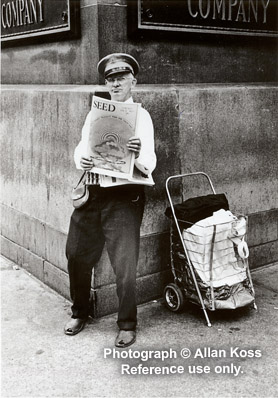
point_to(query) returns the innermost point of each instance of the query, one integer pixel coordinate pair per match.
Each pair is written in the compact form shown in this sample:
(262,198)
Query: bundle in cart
(209,254)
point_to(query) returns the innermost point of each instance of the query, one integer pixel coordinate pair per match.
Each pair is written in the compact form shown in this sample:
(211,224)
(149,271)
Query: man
(112,215)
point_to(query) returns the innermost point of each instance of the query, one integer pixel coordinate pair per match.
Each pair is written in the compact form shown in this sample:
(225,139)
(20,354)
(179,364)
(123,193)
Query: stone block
(263,254)
(41,177)
(221,134)
(23,257)
(55,247)
(24,230)
(57,279)
(34,235)
(154,254)
(262,227)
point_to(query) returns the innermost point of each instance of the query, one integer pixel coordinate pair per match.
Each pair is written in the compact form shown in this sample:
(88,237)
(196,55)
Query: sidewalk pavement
(240,350)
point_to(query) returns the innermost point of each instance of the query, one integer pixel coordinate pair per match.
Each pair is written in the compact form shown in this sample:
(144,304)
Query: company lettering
(229,10)
(21,12)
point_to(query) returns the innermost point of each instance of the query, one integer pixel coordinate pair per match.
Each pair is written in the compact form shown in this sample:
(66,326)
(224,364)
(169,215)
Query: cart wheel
(173,297)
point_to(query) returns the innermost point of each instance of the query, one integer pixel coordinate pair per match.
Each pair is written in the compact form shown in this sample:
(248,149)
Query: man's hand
(134,145)
(86,163)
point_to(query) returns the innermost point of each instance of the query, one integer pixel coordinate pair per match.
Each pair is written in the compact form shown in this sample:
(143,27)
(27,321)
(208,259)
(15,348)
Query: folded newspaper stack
(212,252)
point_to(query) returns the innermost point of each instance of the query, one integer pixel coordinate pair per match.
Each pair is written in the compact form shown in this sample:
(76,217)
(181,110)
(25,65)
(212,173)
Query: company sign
(21,19)
(239,17)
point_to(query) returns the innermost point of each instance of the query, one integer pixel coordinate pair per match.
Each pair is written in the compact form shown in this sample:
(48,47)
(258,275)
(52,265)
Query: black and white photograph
(139,198)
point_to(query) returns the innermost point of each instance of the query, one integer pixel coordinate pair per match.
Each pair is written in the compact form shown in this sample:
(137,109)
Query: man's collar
(129,101)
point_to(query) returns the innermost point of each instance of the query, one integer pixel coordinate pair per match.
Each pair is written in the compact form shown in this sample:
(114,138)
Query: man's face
(120,85)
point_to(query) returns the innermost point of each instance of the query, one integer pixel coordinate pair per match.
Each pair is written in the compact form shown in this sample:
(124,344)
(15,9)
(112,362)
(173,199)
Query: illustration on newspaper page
(112,124)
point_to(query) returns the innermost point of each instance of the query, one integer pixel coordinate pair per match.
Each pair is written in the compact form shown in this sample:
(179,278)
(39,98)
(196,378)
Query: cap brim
(121,56)
(114,72)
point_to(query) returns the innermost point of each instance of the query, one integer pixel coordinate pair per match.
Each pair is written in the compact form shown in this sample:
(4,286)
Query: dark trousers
(112,216)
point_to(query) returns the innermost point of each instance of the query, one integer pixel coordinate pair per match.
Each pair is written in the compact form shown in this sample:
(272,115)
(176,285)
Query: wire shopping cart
(209,254)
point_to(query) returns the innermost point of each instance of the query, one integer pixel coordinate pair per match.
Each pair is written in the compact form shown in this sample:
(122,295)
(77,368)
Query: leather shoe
(125,338)
(74,326)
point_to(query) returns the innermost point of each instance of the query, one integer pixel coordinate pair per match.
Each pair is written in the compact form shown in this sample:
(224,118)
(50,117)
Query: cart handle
(180,176)
(188,175)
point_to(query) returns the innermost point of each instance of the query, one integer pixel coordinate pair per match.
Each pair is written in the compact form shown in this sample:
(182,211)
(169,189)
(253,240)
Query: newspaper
(137,178)
(112,124)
